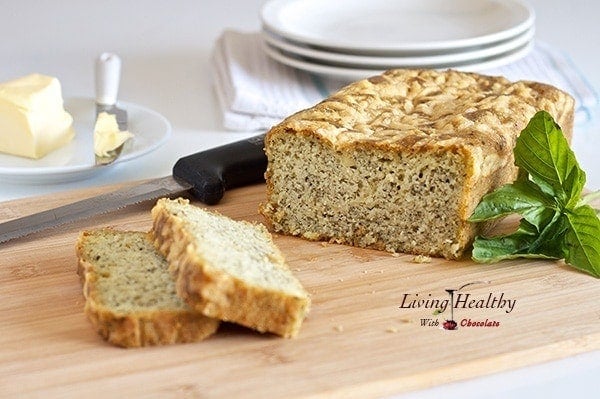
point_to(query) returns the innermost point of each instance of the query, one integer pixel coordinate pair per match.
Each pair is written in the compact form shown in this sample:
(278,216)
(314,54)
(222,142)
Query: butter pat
(33,121)
(107,136)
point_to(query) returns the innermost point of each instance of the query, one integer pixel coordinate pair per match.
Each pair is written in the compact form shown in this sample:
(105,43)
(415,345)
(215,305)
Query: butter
(107,136)
(33,121)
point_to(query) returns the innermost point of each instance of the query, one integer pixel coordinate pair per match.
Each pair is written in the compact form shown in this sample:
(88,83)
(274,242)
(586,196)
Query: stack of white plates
(354,39)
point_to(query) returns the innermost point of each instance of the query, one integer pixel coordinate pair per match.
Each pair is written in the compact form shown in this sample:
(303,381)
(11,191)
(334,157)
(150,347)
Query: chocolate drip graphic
(451,324)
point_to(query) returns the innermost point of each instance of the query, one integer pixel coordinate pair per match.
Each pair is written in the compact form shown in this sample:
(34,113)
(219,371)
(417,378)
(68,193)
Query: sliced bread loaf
(227,269)
(129,294)
(399,161)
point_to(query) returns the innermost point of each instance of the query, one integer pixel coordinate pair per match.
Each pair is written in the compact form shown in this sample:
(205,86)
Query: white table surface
(165,47)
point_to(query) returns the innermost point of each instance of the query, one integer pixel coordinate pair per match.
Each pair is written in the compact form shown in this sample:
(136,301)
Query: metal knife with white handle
(206,175)
(107,74)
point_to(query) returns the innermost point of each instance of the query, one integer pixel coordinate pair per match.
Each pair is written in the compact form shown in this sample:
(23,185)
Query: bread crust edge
(218,294)
(138,329)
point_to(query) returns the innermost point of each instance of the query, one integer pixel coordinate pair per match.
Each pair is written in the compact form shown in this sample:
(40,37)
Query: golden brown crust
(218,294)
(424,110)
(414,112)
(138,329)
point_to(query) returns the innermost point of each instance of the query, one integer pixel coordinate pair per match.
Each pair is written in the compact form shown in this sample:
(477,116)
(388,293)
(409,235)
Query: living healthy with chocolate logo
(454,302)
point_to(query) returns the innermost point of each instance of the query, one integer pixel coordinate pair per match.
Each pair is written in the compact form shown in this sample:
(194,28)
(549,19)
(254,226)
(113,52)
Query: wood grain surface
(360,339)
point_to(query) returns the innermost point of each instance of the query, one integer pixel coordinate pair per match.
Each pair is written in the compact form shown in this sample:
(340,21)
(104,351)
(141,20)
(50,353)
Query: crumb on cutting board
(421,259)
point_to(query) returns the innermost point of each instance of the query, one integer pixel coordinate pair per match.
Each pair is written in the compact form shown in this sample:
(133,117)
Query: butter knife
(107,73)
(206,175)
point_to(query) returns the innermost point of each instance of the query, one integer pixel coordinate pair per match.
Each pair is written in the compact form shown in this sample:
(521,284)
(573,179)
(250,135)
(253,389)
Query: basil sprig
(556,223)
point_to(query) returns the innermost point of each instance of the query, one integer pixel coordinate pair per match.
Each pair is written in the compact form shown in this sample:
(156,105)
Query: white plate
(387,62)
(76,160)
(350,74)
(392,26)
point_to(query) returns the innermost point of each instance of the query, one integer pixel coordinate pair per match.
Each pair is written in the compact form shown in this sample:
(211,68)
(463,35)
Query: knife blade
(107,73)
(206,174)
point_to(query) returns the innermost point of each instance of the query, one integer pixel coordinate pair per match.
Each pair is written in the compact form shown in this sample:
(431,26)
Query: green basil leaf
(491,250)
(543,151)
(550,241)
(522,197)
(510,246)
(574,182)
(583,240)
(526,242)
(557,223)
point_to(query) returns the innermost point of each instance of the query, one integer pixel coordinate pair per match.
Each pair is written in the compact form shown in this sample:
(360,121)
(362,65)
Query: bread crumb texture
(227,269)
(130,294)
(399,161)
(421,259)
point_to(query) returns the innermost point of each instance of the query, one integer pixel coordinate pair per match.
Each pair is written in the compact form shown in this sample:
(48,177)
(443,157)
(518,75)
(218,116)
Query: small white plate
(76,160)
(351,74)
(394,26)
(387,62)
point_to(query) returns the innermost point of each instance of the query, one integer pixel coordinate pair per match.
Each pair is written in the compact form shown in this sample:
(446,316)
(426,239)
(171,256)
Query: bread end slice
(129,294)
(230,270)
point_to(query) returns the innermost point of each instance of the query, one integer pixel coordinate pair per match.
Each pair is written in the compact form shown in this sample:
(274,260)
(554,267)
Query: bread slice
(399,161)
(229,270)
(129,294)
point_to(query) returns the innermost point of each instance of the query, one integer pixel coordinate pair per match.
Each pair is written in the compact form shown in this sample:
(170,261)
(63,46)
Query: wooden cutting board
(362,338)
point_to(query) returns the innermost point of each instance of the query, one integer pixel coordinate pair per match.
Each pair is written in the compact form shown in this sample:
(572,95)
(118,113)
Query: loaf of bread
(229,270)
(129,294)
(399,161)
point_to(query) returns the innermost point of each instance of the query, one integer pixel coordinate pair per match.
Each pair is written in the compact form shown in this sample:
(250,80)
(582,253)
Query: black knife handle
(213,171)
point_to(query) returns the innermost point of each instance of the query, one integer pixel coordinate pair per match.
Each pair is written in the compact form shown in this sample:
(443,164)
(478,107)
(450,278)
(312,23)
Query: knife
(206,175)
(107,73)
